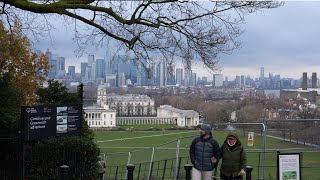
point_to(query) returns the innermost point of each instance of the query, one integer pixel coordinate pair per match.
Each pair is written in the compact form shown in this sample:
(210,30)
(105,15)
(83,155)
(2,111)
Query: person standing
(101,168)
(234,159)
(204,154)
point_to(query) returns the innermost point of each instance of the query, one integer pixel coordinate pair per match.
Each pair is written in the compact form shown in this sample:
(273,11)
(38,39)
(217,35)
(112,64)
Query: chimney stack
(314,80)
(304,81)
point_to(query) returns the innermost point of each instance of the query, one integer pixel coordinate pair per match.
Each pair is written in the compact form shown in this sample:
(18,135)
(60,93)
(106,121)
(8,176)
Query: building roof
(102,86)
(179,111)
(98,108)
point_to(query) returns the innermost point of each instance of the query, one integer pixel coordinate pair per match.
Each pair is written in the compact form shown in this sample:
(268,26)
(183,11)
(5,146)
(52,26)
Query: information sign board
(289,166)
(45,121)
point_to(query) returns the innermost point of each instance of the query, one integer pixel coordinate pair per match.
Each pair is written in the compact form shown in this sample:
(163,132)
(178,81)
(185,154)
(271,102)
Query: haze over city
(281,40)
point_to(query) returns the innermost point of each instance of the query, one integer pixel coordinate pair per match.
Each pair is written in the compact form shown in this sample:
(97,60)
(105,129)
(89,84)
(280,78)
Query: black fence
(165,169)
(73,160)
(16,162)
(10,158)
(11,164)
(157,170)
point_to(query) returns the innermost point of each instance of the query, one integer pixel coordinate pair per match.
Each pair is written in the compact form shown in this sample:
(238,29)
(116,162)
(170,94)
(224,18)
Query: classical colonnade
(145,120)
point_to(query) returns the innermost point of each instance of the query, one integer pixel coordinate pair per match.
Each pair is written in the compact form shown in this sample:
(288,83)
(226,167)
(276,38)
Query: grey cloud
(283,37)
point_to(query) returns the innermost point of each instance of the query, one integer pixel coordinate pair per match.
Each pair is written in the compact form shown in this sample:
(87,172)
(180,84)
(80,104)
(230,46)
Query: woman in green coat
(234,159)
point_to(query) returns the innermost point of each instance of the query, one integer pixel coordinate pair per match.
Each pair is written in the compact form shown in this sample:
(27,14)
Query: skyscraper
(194,79)
(238,81)
(314,80)
(304,81)
(61,63)
(90,59)
(53,63)
(217,80)
(126,66)
(262,77)
(84,66)
(92,68)
(161,71)
(122,80)
(187,77)
(142,76)
(179,76)
(61,70)
(242,81)
(72,71)
(100,68)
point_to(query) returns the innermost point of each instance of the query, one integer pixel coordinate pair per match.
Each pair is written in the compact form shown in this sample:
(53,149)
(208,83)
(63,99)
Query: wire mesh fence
(166,161)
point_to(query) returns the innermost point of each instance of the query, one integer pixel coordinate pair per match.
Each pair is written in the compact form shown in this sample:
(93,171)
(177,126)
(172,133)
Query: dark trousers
(101,176)
(224,177)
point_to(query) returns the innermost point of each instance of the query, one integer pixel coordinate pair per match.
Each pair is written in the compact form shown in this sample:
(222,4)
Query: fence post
(164,169)
(130,168)
(21,157)
(248,172)
(188,168)
(64,172)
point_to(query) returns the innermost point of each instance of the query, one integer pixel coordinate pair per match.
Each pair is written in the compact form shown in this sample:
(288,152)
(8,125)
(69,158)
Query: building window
(104,123)
(110,122)
(99,123)
(104,115)
(111,115)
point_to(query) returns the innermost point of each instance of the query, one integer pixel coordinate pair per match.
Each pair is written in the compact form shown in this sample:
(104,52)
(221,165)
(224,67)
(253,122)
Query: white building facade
(184,118)
(98,117)
(126,105)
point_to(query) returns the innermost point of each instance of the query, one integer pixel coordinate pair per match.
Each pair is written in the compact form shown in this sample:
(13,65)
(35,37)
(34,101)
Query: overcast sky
(284,41)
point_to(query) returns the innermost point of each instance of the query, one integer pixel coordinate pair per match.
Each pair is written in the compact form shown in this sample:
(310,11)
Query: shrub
(44,158)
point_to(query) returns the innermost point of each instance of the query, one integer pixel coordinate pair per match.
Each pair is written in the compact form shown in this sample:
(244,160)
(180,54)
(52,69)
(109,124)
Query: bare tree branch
(191,30)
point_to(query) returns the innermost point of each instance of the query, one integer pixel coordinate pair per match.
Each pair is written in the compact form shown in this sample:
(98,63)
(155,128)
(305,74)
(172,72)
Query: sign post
(250,138)
(289,166)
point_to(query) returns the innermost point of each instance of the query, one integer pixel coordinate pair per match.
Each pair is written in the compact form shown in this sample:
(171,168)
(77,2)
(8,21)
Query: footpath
(298,142)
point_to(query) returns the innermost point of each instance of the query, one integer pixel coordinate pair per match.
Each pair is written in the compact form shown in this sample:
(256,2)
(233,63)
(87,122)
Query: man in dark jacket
(204,154)
(233,159)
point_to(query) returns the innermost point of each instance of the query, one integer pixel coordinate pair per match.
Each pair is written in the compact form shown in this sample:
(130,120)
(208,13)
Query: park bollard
(188,168)
(248,172)
(64,172)
(130,168)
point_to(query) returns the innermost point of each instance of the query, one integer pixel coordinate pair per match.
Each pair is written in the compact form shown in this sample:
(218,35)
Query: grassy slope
(165,142)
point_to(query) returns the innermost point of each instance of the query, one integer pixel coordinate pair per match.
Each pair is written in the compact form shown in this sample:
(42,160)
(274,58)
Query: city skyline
(102,61)
(280,40)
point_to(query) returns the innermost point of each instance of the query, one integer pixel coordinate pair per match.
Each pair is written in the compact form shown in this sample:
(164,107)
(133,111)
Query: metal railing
(165,169)
(157,170)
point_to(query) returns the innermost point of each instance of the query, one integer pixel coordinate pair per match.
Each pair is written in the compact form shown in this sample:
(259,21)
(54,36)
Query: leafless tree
(175,30)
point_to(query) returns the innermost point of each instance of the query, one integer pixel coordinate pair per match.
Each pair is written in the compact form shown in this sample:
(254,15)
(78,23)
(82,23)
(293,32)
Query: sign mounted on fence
(289,166)
(45,121)
(250,138)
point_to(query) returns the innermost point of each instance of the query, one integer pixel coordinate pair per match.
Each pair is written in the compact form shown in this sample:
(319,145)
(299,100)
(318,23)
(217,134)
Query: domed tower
(102,95)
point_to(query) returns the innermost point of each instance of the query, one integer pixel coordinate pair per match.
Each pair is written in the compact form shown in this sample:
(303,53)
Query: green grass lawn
(118,145)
